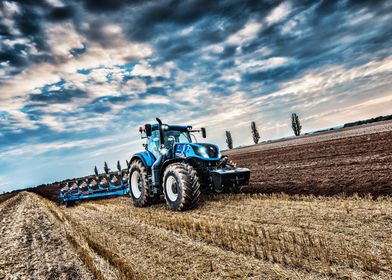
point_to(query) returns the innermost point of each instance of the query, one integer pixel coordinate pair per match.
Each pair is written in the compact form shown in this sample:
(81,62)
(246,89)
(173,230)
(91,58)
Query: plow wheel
(139,187)
(181,186)
(69,203)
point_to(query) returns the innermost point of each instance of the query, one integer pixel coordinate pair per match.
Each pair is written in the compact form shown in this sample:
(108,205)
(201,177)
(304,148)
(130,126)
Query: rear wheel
(181,186)
(139,187)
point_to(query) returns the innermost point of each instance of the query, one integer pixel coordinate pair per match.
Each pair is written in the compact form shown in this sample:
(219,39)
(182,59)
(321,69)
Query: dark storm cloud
(99,108)
(58,96)
(170,15)
(13,56)
(28,22)
(40,3)
(61,13)
(156,90)
(322,25)
(320,40)
(228,52)
(79,51)
(4,30)
(103,6)
(27,25)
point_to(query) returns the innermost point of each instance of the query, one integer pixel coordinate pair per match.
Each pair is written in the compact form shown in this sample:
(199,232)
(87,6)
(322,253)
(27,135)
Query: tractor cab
(171,135)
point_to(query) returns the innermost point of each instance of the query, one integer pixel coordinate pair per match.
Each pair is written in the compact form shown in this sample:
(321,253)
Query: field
(261,234)
(355,160)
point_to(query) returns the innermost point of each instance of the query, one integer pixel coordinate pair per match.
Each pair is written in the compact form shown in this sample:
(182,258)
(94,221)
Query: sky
(78,77)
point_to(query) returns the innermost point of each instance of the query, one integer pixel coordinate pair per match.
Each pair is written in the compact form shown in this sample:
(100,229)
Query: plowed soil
(355,160)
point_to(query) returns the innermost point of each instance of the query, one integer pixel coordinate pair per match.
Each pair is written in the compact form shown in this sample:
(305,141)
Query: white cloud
(62,38)
(155,99)
(261,65)
(145,69)
(99,75)
(10,8)
(134,86)
(246,34)
(187,31)
(332,76)
(51,88)
(279,13)
(56,3)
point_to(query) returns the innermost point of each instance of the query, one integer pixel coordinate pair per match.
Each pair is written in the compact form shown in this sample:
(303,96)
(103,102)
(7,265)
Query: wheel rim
(171,188)
(136,184)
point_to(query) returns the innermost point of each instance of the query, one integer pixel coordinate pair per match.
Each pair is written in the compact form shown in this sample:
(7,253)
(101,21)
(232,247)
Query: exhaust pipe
(161,140)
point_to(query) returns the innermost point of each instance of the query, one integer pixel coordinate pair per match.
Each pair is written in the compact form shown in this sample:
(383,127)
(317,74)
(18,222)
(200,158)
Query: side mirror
(148,129)
(203,132)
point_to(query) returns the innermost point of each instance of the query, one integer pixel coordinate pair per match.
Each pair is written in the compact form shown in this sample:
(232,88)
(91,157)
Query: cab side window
(153,143)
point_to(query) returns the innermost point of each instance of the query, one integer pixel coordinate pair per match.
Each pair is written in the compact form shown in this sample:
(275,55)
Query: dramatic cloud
(77,77)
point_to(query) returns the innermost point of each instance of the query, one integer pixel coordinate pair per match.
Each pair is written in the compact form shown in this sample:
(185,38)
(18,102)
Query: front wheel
(139,187)
(181,186)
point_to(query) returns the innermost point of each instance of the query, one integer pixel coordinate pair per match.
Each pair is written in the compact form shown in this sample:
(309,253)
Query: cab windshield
(175,136)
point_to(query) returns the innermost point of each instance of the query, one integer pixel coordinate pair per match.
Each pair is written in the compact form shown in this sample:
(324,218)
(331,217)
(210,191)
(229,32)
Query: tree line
(295,125)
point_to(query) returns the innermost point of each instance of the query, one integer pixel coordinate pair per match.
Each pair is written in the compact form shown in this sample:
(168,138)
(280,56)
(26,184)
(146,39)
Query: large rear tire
(139,187)
(181,186)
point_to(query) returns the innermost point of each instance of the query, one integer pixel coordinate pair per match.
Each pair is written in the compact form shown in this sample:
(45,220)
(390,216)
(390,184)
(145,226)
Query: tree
(106,168)
(118,166)
(229,140)
(296,124)
(96,171)
(255,133)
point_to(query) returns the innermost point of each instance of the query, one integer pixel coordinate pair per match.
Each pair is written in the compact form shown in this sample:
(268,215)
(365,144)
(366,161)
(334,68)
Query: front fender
(146,157)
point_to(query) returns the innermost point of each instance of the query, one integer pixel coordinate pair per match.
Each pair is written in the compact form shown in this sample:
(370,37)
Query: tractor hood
(199,150)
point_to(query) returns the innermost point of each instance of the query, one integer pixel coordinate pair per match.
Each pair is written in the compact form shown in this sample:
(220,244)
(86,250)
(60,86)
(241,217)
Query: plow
(174,166)
(106,185)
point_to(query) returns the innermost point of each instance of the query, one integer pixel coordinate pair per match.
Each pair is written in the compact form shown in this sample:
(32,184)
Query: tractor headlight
(203,152)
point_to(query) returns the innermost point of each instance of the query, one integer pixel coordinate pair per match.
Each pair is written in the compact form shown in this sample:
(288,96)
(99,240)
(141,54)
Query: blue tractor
(179,168)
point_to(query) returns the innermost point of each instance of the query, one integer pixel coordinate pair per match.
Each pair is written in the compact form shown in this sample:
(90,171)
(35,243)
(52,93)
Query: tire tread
(190,182)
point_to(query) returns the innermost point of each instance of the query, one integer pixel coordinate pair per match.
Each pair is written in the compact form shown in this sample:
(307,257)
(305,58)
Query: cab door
(153,143)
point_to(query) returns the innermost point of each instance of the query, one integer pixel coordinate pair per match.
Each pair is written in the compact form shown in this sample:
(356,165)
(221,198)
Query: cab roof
(172,127)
